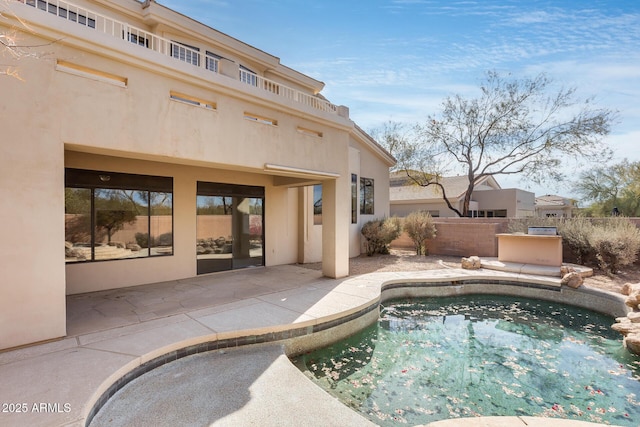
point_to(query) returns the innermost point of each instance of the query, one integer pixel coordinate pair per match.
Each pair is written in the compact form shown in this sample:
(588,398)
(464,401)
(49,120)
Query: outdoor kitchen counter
(530,249)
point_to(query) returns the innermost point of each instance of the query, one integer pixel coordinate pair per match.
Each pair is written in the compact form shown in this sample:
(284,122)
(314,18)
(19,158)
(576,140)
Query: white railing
(286,92)
(189,54)
(64,10)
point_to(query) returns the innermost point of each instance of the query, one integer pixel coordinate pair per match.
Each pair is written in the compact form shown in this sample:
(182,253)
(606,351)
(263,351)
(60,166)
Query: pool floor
(440,358)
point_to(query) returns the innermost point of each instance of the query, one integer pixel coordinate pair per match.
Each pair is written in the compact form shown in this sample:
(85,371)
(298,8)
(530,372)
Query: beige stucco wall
(31,214)
(309,233)
(118,116)
(363,162)
(355,160)
(335,199)
(404,209)
(370,167)
(518,203)
(530,249)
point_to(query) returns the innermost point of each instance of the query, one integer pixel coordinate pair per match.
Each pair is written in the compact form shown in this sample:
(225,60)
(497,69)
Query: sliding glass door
(230,231)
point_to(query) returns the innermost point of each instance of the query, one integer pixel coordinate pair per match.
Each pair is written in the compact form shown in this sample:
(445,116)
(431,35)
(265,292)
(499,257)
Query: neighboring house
(487,201)
(554,206)
(154,148)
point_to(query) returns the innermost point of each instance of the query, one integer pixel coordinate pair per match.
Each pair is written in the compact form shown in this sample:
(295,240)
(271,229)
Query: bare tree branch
(515,127)
(11,45)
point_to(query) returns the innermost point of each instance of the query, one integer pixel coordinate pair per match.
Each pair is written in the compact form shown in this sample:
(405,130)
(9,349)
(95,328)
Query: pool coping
(390,289)
(342,307)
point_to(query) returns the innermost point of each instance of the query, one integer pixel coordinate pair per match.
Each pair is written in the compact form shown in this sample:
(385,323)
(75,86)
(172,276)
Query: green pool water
(432,359)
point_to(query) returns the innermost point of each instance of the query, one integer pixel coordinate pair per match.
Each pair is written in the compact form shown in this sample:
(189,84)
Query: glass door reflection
(214,238)
(247,232)
(230,227)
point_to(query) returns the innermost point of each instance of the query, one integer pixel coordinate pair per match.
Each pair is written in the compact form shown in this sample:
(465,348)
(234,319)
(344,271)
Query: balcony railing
(286,92)
(171,48)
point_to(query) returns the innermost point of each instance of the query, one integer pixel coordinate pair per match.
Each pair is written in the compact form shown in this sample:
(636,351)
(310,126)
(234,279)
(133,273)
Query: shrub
(607,243)
(575,233)
(165,239)
(142,239)
(616,242)
(379,233)
(420,228)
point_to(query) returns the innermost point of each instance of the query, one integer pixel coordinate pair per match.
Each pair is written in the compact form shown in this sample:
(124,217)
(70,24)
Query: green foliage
(142,239)
(576,233)
(77,201)
(379,233)
(116,208)
(616,242)
(605,243)
(521,126)
(165,239)
(611,186)
(420,227)
(114,220)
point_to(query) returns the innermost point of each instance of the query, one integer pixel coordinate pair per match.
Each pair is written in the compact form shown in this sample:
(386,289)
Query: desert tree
(13,47)
(607,187)
(117,208)
(516,126)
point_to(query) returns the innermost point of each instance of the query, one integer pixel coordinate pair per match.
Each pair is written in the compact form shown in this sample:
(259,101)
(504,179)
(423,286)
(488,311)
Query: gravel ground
(407,260)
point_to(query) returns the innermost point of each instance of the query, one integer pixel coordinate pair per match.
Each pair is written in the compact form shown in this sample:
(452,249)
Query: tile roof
(401,187)
(552,200)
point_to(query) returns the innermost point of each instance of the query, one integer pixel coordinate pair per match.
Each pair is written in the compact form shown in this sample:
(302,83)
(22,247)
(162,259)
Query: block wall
(462,237)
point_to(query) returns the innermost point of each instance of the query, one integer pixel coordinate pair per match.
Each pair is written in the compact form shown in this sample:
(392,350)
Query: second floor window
(185,53)
(247,76)
(211,61)
(138,39)
(79,15)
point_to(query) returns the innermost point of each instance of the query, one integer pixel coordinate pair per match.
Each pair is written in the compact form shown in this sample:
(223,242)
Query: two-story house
(140,146)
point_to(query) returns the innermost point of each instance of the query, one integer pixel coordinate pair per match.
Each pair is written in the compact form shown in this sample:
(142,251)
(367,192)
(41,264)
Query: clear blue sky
(397,59)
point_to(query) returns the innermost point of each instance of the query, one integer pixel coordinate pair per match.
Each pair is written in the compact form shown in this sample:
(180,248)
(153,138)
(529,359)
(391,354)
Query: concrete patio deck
(114,333)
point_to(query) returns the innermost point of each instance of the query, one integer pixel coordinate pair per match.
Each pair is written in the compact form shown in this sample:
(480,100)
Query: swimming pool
(481,355)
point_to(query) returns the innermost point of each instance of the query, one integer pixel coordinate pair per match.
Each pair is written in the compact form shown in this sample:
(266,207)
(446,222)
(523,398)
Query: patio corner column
(335,228)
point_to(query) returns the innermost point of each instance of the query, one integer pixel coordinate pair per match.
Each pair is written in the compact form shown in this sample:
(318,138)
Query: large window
(366,196)
(497,213)
(115,216)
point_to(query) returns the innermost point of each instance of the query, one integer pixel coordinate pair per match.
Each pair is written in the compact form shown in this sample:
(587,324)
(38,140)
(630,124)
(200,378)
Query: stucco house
(551,205)
(488,199)
(142,146)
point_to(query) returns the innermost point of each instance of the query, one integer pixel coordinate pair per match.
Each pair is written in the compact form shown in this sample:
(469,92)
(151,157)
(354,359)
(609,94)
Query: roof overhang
(290,176)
